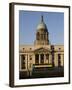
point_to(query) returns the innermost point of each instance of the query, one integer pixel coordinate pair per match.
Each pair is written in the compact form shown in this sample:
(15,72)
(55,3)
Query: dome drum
(42,34)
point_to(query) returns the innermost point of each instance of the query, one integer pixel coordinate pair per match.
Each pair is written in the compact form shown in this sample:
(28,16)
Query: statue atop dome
(41,18)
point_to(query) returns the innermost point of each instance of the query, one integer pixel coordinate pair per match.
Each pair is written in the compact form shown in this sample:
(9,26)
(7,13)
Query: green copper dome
(42,25)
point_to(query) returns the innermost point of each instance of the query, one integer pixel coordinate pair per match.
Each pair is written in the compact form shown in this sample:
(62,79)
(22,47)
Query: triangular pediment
(42,50)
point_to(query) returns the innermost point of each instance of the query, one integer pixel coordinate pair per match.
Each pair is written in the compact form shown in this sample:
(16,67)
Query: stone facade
(42,53)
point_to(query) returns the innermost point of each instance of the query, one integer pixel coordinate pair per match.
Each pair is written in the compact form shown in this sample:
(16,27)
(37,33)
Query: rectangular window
(42,59)
(22,61)
(36,59)
(59,59)
(47,56)
(30,57)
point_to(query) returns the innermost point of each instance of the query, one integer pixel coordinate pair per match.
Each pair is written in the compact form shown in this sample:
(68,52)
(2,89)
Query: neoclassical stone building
(42,53)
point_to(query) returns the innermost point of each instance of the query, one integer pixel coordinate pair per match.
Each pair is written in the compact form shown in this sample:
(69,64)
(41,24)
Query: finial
(41,18)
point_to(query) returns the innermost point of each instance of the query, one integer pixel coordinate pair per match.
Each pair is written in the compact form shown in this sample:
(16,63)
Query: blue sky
(28,21)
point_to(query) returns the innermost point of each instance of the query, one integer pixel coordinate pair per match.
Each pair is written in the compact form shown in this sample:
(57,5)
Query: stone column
(50,59)
(44,58)
(27,64)
(33,60)
(56,59)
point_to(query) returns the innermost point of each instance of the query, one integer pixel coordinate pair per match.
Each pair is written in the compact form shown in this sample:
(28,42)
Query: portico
(43,58)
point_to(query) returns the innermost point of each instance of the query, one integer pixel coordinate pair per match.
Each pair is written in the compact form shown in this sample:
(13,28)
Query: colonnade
(40,59)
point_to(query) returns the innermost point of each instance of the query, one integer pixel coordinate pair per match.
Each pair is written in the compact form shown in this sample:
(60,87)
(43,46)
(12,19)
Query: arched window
(37,36)
(42,37)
